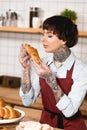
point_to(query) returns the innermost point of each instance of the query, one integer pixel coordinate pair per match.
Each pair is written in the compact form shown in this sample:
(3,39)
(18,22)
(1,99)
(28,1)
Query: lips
(45,46)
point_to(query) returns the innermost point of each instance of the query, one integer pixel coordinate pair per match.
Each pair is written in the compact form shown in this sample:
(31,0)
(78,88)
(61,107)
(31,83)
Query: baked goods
(2,102)
(33,125)
(8,112)
(3,128)
(46,127)
(12,112)
(30,125)
(1,112)
(33,53)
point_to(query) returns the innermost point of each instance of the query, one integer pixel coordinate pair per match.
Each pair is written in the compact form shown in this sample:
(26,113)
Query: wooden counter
(30,114)
(11,96)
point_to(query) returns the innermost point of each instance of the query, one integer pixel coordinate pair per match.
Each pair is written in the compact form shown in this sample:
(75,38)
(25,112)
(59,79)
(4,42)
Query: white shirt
(70,104)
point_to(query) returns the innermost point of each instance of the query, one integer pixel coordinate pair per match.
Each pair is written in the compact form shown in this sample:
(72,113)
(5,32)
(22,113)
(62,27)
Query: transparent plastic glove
(44,72)
(24,57)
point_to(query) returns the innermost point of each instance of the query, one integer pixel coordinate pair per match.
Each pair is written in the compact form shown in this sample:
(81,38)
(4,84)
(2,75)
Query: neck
(62,54)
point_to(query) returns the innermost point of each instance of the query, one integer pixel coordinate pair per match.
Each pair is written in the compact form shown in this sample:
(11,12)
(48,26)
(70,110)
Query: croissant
(1,112)
(33,53)
(8,112)
(2,102)
(3,128)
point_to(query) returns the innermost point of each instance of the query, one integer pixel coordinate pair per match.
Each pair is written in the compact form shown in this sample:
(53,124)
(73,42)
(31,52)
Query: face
(51,42)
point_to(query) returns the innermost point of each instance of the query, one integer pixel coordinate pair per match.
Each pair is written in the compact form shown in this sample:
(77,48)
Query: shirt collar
(67,63)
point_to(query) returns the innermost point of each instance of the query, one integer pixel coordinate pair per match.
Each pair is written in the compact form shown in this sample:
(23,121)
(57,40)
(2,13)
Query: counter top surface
(11,96)
(30,114)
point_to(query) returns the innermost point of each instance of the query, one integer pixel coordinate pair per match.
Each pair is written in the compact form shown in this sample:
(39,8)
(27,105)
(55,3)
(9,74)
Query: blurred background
(10,42)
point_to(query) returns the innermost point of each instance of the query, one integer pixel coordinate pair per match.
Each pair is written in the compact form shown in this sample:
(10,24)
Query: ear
(63,42)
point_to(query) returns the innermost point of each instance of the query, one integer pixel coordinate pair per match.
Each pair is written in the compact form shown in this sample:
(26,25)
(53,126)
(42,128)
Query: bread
(46,127)
(8,112)
(33,125)
(33,53)
(3,128)
(29,125)
(17,113)
(2,102)
(1,112)
(12,113)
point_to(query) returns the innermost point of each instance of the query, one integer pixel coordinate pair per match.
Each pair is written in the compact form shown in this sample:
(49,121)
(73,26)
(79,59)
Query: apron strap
(69,72)
(59,118)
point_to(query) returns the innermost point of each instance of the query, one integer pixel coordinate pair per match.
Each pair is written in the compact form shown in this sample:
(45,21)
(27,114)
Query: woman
(61,77)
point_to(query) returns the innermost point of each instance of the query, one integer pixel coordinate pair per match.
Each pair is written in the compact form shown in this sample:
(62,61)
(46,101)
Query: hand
(44,72)
(42,69)
(24,57)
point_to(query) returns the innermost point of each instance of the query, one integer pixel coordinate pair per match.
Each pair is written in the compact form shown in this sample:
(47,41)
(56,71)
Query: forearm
(32,93)
(51,80)
(26,83)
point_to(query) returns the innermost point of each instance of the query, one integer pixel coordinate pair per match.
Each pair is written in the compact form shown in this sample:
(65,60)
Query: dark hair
(65,29)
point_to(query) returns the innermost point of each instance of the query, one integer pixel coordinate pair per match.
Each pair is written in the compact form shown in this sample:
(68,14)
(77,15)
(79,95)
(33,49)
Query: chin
(48,51)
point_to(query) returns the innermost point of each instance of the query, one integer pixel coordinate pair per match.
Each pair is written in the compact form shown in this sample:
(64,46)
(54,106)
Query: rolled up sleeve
(65,106)
(27,99)
(70,104)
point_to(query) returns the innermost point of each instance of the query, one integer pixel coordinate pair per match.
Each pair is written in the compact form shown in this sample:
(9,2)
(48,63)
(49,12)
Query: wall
(10,42)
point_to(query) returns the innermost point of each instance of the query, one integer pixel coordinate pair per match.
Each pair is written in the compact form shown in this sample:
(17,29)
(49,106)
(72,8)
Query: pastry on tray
(7,111)
(33,125)
(3,128)
(2,102)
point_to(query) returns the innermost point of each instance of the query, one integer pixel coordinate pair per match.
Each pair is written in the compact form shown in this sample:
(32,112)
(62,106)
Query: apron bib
(51,114)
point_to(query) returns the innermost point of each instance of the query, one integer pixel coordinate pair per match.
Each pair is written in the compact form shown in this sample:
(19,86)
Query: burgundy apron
(51,114)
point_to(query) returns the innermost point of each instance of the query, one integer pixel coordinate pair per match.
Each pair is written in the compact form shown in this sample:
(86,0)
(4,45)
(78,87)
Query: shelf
(82,34)
(21,30)
(31,30)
